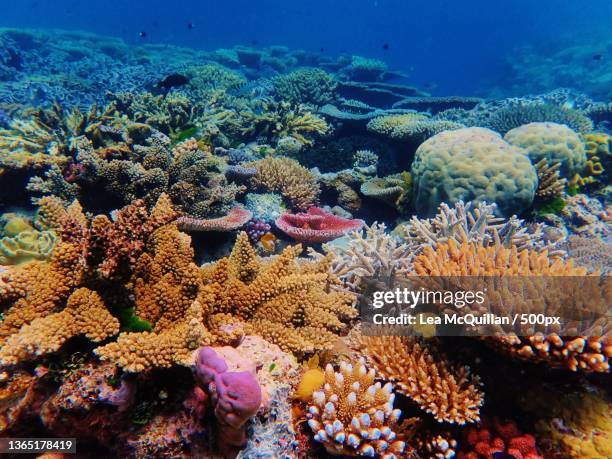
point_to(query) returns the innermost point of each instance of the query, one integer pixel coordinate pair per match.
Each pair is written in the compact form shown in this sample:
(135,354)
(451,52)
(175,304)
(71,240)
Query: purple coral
(235,396)
(256,228)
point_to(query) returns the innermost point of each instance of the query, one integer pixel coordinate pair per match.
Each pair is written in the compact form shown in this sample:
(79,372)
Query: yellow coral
(597,147)
(449,394)
(312,380)
(286,176)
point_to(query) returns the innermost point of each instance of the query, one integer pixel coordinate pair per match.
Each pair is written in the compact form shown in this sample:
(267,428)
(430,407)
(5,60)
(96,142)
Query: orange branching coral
(449,394)
(38,289)
(286,302)
(531,284)
(469,259)
(84,314)
(286,176)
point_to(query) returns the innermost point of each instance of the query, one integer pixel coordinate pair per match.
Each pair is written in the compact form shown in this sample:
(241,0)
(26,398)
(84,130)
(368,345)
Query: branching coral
(284,301)
(354,416)
(46,137)
(285,176)
(449,394)
(84,314)
(473,222)
(550,183)
(533,283)
(373,260)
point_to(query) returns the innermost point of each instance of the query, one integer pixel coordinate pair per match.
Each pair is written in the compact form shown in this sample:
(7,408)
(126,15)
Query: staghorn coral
(415,127)
(477,223)
(534,282)
(472,164)
(46,138)
(551,141)
(449,393)
(316,226)
(84,314)
(550,183)
(285,176)
(354,416)
(591,252)
(372,260)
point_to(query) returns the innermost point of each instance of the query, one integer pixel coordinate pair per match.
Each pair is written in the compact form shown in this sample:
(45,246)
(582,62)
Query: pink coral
(316,225)
(497,437)
(236,218)
(235,395)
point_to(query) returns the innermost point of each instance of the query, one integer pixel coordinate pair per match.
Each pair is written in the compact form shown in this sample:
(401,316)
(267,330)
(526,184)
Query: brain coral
(472,164)
(553,142)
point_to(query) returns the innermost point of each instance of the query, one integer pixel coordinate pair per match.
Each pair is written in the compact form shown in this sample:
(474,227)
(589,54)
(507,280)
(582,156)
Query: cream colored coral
(449,394)
(352,415)
(556,143)
(84,314)
(286,176)
(472,164)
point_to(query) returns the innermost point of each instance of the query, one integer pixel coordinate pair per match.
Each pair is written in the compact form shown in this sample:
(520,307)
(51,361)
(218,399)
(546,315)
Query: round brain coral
(472,164)
(552,142)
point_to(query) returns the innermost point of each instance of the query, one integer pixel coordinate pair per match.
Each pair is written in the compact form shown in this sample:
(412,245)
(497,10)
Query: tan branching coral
(285,176)
(449,394)
(354,416)
(284,301)
(84,314)
(550,183)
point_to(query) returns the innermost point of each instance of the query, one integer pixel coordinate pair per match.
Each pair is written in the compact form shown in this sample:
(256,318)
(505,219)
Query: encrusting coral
(449,394)
(353,415)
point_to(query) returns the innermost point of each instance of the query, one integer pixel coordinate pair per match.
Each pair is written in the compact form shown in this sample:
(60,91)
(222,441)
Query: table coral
(472,164)
(449,393)
(354,416)
(236,218)
(415,127)
(316,225)
(285,176)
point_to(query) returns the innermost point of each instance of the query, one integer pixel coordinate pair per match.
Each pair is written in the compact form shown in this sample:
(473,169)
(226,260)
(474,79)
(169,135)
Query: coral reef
(316,225)
(354,416)
(414,127)
(236,218)
(553,142)
(285,176)
(449,394)
(472,164)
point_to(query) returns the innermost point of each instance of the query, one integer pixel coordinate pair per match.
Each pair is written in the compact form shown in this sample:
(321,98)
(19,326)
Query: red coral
(497,437)
(236,218)
(316,225)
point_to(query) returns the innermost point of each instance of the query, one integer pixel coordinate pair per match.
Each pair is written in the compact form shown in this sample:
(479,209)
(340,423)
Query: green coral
(27,246)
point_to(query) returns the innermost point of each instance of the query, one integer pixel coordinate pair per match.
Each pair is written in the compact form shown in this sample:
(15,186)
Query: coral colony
(188,256)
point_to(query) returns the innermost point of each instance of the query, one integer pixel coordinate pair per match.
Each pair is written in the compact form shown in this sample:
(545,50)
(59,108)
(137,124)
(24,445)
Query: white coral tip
(338,426)
(353,440)
(367,450)
(340,436)
(351,398)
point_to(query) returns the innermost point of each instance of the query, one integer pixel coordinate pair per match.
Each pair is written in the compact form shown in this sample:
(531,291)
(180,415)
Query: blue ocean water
(446,46)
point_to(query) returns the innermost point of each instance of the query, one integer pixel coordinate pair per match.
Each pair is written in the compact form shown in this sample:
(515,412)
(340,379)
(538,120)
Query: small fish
(385,46)
(190,25)
(142,34)
(321,50)
(173,81)
(254,42)
(597,57)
